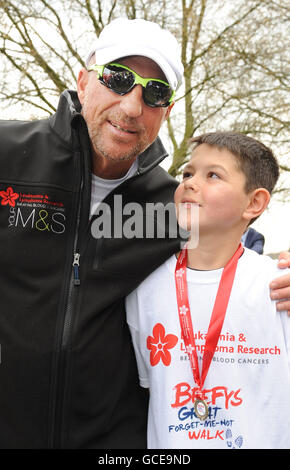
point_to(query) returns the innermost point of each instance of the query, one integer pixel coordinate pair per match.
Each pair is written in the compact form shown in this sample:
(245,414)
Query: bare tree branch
(235,56)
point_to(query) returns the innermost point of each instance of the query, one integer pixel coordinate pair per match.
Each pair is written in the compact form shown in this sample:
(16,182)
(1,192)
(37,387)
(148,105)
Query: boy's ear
(258,202)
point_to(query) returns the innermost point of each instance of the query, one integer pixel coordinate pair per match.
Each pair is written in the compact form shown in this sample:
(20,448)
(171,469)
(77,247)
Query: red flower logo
(159,344)
(8,197)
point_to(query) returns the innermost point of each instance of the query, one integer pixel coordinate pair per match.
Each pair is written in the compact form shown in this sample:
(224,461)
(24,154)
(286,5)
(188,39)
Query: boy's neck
(212,252)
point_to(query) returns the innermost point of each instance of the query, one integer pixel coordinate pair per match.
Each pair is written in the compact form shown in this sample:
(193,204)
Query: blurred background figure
(253,240)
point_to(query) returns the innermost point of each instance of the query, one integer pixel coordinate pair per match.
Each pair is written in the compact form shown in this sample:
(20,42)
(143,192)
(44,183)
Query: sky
(275,226)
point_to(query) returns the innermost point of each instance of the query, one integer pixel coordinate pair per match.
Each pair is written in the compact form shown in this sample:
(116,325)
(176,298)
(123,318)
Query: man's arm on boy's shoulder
(280,287)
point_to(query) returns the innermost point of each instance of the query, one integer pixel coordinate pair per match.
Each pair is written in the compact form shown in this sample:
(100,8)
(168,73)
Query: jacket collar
(68,117)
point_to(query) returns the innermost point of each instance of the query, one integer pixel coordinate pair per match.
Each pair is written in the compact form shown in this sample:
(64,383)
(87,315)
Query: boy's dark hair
(254,159)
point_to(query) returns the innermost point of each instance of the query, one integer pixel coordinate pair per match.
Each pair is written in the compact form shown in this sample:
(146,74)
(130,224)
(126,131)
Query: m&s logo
(41,220)
(34,211)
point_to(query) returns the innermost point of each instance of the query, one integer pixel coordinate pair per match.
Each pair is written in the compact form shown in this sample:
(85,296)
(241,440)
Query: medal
(201,409)
(215,325)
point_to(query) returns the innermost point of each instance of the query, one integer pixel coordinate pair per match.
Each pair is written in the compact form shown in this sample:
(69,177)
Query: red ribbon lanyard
(217,316)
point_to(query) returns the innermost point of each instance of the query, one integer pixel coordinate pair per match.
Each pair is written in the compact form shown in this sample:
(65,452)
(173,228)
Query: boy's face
(212,180)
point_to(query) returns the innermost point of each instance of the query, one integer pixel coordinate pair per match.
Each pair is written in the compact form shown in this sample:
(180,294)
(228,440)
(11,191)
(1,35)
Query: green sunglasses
(120,79)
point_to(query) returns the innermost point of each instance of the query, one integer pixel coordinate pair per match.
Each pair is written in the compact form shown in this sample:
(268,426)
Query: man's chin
(118,155)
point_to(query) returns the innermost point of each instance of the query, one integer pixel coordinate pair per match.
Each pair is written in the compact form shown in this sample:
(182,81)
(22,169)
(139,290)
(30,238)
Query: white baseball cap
(124,37)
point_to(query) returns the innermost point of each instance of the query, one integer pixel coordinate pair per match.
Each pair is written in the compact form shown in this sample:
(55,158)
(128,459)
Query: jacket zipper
(63,360)
(76,265)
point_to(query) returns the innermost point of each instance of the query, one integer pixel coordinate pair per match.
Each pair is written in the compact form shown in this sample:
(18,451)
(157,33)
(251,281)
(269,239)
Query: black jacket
(68,373)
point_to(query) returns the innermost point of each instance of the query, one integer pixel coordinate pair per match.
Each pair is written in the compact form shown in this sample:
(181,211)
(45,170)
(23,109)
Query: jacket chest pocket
(25,209)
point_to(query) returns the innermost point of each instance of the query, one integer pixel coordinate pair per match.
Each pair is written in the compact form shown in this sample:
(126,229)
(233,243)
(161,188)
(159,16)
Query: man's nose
(132,103)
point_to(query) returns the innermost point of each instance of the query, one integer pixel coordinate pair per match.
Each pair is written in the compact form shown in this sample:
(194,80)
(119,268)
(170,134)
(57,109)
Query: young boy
(209,343)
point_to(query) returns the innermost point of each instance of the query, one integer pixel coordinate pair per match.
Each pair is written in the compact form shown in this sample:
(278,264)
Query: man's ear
(258,202)
(168,110)
(82,83)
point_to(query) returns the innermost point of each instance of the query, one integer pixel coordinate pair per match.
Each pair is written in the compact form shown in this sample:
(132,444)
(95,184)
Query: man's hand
(280,287)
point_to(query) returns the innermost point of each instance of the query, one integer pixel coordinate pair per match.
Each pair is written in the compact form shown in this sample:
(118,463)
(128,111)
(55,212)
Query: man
(68,372)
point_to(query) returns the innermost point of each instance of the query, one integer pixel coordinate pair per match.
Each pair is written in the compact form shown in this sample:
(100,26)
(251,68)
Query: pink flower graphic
(8,197)
(159,344)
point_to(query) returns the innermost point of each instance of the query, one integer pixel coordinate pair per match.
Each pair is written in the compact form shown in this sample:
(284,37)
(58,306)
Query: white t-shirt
(102,187)
(248,383)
